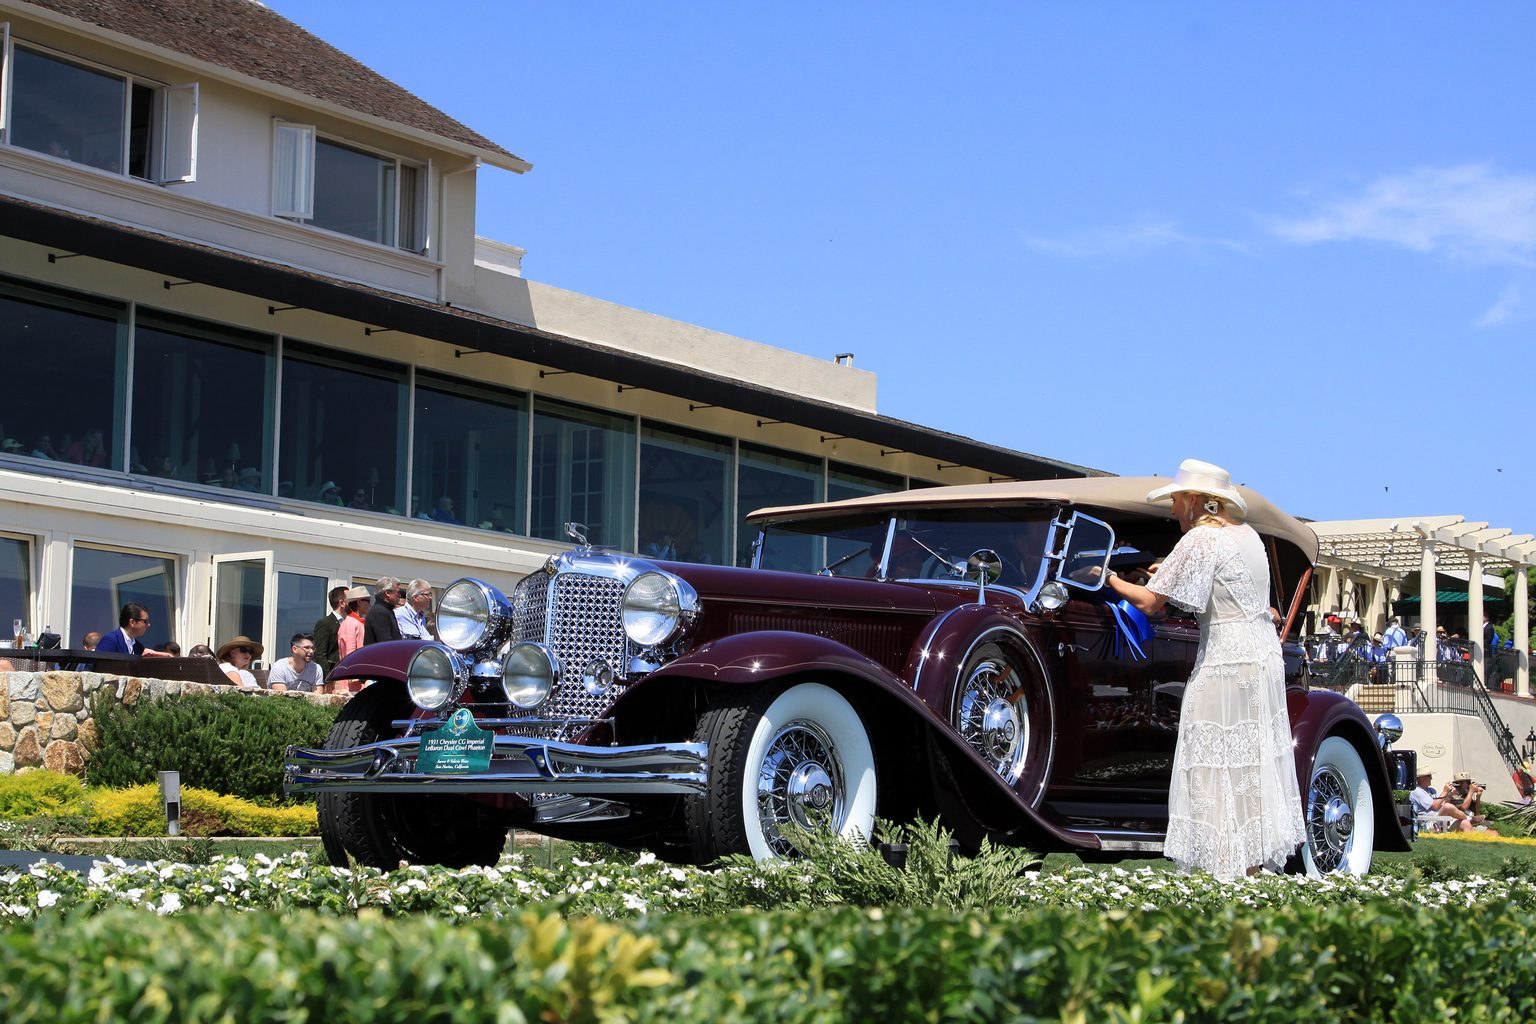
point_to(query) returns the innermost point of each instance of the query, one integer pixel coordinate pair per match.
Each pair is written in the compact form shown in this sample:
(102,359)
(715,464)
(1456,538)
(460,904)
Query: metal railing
(1406,686)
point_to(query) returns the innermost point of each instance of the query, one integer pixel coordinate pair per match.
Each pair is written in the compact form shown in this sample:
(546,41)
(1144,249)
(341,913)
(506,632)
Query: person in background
(132,623)
(43,449)
(250,480)
(330,494)
(172,648)
(359,499)
(349,635)
(1395,636)
(235,657)
(380,624)
(88,451)
(326,652)
(411,616)
(444,512)
(296,672)
(6,666)
(89,641)
(201,651)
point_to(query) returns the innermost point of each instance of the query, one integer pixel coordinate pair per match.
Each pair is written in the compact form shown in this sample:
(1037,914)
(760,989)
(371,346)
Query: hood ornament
(578,533)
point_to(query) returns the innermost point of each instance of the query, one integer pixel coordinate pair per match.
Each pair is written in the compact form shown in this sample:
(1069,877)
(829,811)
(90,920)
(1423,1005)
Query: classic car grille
(880,641)
(577,617)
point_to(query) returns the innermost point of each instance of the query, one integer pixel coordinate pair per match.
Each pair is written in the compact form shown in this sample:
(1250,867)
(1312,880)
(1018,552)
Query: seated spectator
(298,671)
(412,615)
(349,635)
(133,622)
(172,648)
(43,449)
(663,547)
(11,447)
(359,499)
(89,641)
(250,480)
(200,651)
(444,512)
(330,494)
(1426,801)
(88,451)
(235,657)
(164,468)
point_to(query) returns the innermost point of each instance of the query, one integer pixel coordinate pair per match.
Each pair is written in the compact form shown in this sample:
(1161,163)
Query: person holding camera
(1458,801)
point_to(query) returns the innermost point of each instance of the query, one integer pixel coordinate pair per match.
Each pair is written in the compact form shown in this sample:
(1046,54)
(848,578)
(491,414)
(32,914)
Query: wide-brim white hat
(1203,478)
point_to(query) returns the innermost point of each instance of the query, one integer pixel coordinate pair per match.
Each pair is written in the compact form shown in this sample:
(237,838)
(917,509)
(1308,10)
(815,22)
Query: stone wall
(45,716)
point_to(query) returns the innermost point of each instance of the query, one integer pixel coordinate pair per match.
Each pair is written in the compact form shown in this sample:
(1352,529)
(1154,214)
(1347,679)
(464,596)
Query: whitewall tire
(1339,812)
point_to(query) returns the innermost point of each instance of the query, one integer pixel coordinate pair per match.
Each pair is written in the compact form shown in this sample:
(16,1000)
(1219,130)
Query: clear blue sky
(1294,239)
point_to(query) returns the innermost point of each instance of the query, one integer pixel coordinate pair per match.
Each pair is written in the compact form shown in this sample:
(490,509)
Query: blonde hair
(1208,510)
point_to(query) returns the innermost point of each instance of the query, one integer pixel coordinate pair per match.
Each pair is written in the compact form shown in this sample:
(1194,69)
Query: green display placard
(458,746)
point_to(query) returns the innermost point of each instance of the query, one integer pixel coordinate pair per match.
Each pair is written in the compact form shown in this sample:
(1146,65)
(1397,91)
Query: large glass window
(239,593)
(202,404)
(584,472)
(300,604)
(470,462)
(16,586)
(343,426)
(856,482)
(768,478)
(84,345)
(354,192)
(685,489)
(67,110)
(104,581)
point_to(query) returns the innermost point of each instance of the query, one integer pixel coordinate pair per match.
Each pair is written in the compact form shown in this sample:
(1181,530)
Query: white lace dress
(1233,802)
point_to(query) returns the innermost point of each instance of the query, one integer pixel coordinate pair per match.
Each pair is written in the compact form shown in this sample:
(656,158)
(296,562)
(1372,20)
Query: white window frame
(160,119)
(303,173)
(33,600)
(181,562)
(268,597)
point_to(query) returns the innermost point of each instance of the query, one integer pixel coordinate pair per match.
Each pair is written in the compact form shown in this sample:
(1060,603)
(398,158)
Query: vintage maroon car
(942,652)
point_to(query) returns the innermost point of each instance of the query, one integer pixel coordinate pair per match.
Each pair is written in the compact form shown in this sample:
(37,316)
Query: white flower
(633,902)
(169,903)
(459,908)
(47,897)
(645,858)
(134,895)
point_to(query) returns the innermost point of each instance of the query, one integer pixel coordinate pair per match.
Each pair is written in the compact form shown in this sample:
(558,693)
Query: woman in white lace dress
(1233,805)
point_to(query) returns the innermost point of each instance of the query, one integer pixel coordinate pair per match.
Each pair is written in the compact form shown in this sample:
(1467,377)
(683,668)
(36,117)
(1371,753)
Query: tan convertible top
(1121,493)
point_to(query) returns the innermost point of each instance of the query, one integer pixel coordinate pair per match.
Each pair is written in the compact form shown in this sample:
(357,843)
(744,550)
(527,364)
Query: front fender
(1318,714)
(387,660)
(771,656)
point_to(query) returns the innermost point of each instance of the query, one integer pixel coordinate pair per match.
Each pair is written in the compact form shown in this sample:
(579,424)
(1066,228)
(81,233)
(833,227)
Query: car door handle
(1062,648)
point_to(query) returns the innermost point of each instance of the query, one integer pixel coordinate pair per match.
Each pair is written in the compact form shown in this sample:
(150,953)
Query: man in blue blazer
(132,622)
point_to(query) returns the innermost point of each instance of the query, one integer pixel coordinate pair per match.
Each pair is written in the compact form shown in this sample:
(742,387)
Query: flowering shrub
(1480,837)
(647,886)
(138,811)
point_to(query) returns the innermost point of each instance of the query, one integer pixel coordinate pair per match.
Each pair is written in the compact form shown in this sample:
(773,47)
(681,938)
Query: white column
(1475,613)
(1427,607)
(1522,633)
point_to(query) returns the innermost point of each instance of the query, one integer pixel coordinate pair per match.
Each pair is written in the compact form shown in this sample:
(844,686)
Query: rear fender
(902,727)
(1319,714)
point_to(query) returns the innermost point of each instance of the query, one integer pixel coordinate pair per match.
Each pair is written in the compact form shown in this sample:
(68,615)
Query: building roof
(255,41)
(1121,493)
(1397,545)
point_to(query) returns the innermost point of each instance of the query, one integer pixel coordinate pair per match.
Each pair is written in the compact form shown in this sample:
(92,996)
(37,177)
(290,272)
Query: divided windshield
(926,545)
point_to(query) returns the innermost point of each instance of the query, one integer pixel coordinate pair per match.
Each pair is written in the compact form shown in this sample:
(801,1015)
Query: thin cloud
(1504,309)
(1471,212)
(1128,240)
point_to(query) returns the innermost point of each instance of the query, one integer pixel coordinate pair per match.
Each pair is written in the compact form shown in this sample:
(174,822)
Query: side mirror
(984,566)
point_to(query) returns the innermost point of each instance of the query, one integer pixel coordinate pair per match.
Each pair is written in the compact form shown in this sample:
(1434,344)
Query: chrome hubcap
(800,784)
(989,716)
(1330,819)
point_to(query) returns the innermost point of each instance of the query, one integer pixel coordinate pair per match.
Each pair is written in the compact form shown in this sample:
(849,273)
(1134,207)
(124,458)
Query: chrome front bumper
(519,764)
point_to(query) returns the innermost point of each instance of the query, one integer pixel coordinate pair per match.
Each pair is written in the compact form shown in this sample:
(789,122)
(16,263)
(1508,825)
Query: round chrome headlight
(1052,596)
(655,606)
(471,614)
(431,678)
(529,673)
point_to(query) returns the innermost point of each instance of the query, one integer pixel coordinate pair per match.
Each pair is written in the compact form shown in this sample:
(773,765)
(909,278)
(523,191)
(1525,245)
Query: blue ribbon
(1132,628)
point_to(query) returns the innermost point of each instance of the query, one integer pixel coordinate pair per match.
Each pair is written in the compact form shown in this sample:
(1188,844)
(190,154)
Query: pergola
(1429,544)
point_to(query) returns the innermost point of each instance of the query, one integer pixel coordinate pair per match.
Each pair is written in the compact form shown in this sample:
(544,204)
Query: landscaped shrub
(230,743)
(30,794)
(138,811)
(1368,962)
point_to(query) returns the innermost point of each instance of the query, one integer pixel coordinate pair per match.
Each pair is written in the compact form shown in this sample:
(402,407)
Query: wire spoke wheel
(1339,812)
(1330,819)
(988,713)
(800,784)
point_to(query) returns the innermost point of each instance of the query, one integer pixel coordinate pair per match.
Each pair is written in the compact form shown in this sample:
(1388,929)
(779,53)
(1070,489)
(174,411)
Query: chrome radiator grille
(577,617)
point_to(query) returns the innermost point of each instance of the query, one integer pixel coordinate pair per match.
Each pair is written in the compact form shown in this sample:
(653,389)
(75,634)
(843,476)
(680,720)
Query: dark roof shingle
(251,39)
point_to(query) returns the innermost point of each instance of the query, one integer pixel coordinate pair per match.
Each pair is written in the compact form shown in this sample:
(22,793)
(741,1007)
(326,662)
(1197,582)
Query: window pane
(584,472)
(16,586)
(855,482)
(140,122)
(767,478)
(685,483)
(300,603)
(343,426)
(471,462)
(104,581)
(354,192)
(67,111)
(410,208)
(42,329)
(202,404)
(237,600)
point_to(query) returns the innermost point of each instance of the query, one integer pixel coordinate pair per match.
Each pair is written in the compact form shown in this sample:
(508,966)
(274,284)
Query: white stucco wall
(1448,744)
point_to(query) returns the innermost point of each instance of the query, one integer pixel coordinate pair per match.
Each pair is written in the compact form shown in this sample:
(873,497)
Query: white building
(238,267)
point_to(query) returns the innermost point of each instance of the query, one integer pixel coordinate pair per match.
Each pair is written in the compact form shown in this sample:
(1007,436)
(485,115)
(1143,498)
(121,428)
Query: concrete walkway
(79,865)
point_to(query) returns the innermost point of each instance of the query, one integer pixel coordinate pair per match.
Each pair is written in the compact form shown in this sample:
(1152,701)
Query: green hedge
(1367,963)
(229,743)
